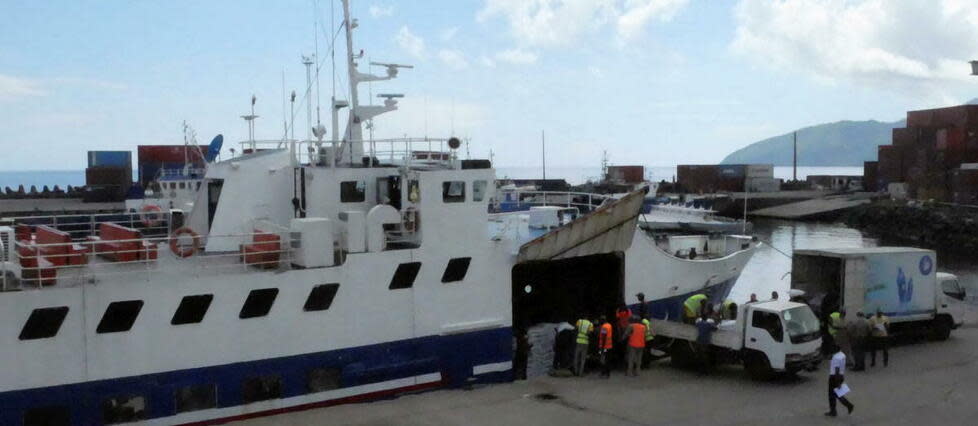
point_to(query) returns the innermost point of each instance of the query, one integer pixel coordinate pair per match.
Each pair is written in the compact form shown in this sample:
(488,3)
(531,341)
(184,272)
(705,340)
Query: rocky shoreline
(946,227)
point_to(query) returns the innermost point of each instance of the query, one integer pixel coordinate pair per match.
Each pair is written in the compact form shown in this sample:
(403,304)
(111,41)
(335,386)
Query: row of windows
(120,316)
(133,407)
(182,185)
(355,191)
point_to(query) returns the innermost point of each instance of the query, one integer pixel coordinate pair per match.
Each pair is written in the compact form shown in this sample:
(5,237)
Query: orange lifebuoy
(150,215)
(184,251)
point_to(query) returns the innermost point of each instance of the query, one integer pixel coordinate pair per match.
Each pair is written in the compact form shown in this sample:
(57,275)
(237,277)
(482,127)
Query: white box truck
(767,337)
(903,282)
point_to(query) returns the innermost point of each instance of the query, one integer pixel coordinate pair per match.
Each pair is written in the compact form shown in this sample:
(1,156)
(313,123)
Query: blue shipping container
(109,159)
(732,170)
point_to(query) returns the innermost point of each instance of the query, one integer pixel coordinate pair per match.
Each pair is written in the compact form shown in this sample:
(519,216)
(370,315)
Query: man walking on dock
(837,387)
(858,330)
(584,330)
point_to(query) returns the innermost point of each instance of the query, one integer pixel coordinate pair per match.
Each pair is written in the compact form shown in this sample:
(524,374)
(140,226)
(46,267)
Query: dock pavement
(926,383)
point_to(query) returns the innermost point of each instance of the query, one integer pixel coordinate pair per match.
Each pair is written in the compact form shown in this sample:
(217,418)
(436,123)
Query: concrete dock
(926,383)
(814,208)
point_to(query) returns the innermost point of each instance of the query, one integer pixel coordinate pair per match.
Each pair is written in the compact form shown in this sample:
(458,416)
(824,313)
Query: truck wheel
(941,328)
(757,365)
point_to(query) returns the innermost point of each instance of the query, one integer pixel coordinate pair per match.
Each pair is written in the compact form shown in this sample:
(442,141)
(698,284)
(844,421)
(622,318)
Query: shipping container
(109,159)
(760,170)
(626,174)
(964,185)
(962,116)
(763,184)
(732,170)
(108,176)
(698,178)
(155,154)
(903,136)
(871,176)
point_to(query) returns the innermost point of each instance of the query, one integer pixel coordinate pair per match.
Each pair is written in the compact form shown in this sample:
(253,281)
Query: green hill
(844,143)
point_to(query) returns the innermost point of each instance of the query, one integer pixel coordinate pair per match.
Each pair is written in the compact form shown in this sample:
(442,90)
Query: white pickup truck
(767,337)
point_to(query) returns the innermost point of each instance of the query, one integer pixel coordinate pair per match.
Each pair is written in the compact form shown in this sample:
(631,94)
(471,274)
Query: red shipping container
(903,136)
(170,154)
(870,176)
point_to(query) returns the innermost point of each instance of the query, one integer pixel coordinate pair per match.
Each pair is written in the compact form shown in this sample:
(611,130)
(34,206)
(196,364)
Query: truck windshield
(801,324)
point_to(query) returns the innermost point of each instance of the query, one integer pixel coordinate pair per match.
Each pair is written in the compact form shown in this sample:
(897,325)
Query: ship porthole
(528,289)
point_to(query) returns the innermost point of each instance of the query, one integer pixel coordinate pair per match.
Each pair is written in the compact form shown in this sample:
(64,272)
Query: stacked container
(108,176)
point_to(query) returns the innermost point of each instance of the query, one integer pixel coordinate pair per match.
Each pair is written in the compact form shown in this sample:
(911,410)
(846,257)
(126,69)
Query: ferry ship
(311,273)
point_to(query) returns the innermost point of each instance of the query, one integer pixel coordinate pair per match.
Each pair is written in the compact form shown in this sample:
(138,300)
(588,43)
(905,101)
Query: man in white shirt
(837,371)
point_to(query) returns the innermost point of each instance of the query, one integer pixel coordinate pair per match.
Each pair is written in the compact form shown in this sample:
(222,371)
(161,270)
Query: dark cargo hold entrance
(565,290)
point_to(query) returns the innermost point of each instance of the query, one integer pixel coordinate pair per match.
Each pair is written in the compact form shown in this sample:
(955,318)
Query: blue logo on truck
(905,286)
(926,265)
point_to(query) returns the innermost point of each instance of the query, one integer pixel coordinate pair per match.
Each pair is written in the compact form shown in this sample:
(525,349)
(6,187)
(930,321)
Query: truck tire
(941,328)
(757,365)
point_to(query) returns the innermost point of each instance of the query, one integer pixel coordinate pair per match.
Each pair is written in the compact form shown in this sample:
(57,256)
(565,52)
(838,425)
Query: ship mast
(351,151)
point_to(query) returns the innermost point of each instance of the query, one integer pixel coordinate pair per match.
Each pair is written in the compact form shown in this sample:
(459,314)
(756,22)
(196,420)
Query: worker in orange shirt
(605,341)
(635,336)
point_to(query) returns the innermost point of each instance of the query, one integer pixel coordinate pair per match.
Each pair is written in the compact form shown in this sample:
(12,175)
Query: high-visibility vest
(584,327)
(637,338)
(692,305)
(728,309)
(835,321)
(648,330)
(605,336)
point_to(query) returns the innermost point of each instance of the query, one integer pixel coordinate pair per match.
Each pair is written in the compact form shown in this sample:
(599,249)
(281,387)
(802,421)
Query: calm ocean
(574,175)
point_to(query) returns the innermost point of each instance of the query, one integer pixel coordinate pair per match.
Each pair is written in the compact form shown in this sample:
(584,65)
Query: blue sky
(655,82)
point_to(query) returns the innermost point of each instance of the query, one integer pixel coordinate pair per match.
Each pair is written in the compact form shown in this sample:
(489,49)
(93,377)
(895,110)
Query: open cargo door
(608,229)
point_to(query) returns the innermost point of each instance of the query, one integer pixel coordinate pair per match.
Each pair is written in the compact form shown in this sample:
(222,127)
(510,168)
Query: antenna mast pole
(795,157)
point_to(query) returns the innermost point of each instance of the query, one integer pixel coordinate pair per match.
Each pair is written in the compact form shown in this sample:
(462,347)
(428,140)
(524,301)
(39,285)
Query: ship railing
(191,173)
(81,226)
(70,264)
(406,151)
(585,202)
(691,247)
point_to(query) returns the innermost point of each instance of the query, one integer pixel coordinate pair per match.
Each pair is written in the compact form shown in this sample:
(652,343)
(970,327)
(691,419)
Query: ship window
(324,379)
(196,397)
(261,388)
(183,185)
(49,415)
(119,316)
(453,191)
(43,323)
(405,275)
(353,191)
(123,409)
(456,269)
(198,186)
(321,297)
(258,303)
(192,309)
(479,190)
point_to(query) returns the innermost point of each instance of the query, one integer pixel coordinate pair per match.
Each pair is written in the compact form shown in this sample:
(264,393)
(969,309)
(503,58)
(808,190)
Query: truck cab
(950,301)
(785,333)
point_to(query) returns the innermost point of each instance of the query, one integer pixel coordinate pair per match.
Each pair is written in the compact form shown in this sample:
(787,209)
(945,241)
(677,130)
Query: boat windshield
(800,321)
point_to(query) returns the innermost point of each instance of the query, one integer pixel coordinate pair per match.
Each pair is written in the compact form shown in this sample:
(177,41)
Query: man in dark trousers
(858,330)
(643,308)
(837,371)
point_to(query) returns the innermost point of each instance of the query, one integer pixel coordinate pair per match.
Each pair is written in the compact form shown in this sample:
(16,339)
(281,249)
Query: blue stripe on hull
(453,356)
(672,307)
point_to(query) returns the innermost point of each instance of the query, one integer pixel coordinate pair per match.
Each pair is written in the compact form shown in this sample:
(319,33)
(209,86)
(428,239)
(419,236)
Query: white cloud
(517,56)
(487,61)
(637,13)
(410,43)
(555,23)
(13,88)
(449,33)
(454,59)
(381,11)
(917,46)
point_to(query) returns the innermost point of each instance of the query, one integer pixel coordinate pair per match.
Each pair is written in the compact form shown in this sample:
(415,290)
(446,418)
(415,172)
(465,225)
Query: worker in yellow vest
(649,335)
(692,307)
(729,310)
(584,330)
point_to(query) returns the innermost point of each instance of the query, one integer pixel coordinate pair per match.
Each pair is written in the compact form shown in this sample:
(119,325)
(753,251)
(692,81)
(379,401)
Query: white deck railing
(526,199)
(78,263)
(399,151)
